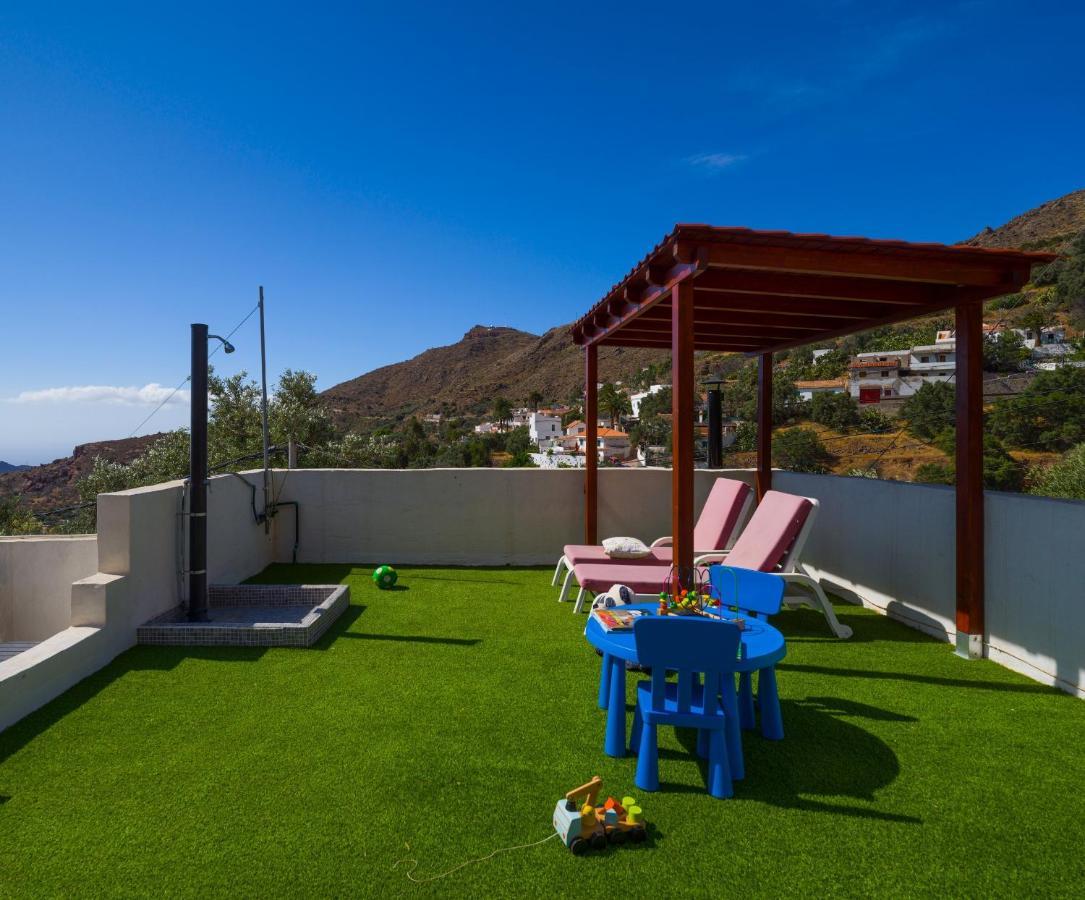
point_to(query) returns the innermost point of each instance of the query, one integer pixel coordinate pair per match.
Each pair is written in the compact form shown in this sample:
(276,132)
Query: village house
(609,442)
(545,430)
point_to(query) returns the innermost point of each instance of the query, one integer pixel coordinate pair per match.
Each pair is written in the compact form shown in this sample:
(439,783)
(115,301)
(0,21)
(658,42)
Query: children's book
(616,619)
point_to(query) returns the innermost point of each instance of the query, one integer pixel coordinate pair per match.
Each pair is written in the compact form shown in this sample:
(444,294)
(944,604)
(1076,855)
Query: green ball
(384,577)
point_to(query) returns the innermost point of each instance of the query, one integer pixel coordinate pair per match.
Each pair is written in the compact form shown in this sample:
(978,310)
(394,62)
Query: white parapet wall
(90,594)
(36,575)
(892,546)
(467,517)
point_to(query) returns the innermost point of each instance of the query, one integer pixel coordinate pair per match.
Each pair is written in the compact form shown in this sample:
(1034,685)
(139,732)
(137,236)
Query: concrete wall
(891,545)
(131,572)
(36,575)
(466,516)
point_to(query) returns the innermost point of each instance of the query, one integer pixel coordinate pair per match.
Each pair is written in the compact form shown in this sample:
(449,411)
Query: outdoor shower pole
(197,487)
(715,433)
(263,413)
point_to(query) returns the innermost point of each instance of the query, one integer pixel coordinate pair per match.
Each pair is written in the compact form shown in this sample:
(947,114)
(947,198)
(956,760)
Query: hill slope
(6,467)
(487,362)
(1050,226)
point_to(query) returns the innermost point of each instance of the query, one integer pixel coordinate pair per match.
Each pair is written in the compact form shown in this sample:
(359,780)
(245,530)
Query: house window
(862,373)
(888,392)
(924,359)
(885,373)
(941,357)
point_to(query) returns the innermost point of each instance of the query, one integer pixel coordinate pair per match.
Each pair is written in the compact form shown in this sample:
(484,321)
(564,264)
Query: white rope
(410,872)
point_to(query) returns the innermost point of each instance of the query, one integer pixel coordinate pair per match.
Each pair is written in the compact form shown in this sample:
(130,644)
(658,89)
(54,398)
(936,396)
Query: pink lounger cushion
(714,527)
(763,546)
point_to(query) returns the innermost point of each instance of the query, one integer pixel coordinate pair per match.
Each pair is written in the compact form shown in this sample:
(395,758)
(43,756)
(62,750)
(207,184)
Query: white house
(892,374)
(485,428)
(635,400)
(545,430)
(609,442)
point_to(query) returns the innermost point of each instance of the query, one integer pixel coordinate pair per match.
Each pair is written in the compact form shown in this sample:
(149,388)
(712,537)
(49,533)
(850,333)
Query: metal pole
(715,434)
(197,504)
(263,413)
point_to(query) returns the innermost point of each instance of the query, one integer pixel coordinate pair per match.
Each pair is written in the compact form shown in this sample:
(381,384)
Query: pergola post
(591,440)
(764,424)
(969,460)
(682,426)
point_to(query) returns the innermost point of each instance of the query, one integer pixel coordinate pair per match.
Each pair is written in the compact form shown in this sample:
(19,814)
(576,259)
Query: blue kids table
(762,647)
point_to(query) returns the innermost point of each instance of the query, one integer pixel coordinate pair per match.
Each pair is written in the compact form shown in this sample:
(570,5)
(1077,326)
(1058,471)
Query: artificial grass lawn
(444,720)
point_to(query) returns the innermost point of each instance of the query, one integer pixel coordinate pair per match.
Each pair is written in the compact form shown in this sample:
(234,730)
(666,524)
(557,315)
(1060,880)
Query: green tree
(800,450)
(613,402)
(837,411)
(874,421)
(502,411)
(930,410)
(1065,479)
(1049,414)
(575,414)
(1001,472)
(15,518)
(1004,352)
(534,399)
(296,413)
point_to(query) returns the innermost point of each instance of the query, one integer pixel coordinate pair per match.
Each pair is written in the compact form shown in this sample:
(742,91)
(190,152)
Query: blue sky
(396,173)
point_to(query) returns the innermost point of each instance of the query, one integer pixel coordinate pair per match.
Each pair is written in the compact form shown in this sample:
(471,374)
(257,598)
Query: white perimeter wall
(467,516)
(892,545)
(36,575)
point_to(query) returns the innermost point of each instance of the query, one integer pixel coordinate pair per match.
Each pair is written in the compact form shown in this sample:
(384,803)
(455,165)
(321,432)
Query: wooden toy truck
(583,825)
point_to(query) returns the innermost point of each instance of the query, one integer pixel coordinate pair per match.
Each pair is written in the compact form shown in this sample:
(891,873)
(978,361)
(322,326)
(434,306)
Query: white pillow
(625,548)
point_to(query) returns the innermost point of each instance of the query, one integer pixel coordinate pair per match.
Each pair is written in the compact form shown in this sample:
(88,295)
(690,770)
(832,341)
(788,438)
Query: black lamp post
(197,485)
(715,422)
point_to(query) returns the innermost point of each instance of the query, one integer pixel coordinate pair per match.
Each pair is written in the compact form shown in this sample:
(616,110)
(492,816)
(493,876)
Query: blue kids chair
(690,646)
(756,595)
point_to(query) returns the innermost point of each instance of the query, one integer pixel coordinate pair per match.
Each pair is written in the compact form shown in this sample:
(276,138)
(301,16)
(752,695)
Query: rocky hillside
(11,467)
(1050,226)
(487,362)
(54,484)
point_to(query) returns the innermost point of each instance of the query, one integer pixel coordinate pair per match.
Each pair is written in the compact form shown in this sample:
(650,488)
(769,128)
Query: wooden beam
(717,330)
(813,286)
(785,305)
(587,331)
(764,425)
(916,267)
(664,343)
(970,534)
(682,429)
(702,316)
(591,435)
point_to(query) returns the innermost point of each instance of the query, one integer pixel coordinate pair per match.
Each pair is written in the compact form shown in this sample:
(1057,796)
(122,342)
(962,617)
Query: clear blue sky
(396,173)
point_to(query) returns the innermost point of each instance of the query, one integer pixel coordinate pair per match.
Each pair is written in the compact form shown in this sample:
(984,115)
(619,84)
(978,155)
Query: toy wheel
(640,835)
(579,846)
(598,841)
(618,836)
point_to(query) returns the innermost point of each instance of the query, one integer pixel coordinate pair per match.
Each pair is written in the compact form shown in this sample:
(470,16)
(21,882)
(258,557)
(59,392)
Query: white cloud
(148,395)
(715,161)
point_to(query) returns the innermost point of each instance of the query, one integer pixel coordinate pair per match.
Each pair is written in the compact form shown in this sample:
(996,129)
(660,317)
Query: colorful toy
(385,577)
(582,825)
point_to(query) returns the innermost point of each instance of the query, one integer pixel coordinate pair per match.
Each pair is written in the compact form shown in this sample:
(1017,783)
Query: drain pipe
(197,504)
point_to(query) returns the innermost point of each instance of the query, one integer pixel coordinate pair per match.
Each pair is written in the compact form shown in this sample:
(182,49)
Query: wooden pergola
(758,292)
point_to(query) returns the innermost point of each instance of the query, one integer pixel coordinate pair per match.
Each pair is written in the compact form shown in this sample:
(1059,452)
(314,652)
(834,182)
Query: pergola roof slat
(770,290)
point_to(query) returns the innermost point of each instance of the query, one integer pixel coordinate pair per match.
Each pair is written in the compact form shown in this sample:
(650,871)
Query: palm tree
(613,402)
(502,412)
(534,399)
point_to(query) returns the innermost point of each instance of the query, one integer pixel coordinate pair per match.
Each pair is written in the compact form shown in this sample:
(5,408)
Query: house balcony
(423,711)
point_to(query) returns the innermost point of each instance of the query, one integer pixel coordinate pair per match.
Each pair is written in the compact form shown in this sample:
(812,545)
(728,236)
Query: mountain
(54,484)
(487,362)
(11,467)
(1050,226)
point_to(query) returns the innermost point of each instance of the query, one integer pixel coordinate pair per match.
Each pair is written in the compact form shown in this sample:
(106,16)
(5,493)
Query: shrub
(930,410)
(800,450)
(837,411)
(874,421)
(1066,478)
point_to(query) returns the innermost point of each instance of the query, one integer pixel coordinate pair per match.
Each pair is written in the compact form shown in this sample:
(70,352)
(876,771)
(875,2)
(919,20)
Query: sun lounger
(772,541)
(727,506)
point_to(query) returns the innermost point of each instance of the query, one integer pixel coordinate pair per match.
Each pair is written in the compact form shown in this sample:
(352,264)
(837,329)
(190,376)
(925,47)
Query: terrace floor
(443,720)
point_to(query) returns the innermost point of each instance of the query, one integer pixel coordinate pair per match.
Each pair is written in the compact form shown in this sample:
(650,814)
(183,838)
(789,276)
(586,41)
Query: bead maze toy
(583,826)
(385,577)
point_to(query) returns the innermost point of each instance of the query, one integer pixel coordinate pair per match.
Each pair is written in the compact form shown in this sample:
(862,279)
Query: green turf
(443,720)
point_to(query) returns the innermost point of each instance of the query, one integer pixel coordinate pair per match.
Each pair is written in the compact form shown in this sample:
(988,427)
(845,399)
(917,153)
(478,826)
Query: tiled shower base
(253,615)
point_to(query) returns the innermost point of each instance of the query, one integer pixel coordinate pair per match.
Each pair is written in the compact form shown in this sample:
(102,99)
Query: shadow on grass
(143,658)
(412,639)
(822,756)
(1008,687)
(805,625)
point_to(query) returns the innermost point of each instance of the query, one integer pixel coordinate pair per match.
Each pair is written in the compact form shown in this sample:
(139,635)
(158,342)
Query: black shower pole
(197,486)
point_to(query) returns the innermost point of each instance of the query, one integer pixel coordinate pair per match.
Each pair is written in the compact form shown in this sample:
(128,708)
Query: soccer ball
(384,577)
(618,595)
